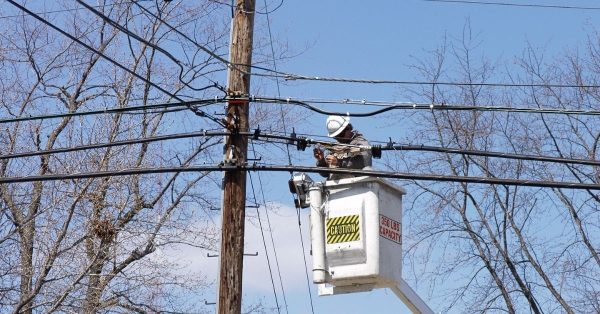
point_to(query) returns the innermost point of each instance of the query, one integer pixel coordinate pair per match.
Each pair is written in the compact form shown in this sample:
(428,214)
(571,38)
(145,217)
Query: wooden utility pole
(236,148)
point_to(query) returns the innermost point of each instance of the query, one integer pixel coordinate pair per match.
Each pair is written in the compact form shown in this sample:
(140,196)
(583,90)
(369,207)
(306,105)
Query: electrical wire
(119,65)
(284,168)
(235,66)
(199,46)
(133,35)
(264,199)
(287,147)
(508,4)
(202,133)
(295,77)
(262,233)
(290,140)
(65,10)
(418,106)
(184,104)
(312,308)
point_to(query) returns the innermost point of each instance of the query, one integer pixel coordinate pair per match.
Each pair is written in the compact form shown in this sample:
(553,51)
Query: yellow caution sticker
(343,229)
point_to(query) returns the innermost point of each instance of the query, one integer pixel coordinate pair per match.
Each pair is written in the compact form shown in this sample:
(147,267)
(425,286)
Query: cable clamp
(301,144)
(256,133)
(292,138)
(390,144)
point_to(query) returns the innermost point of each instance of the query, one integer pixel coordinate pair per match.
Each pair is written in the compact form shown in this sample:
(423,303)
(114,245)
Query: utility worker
(344,156)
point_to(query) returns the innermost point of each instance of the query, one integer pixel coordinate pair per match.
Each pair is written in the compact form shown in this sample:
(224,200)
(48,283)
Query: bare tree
(93,245)
(506,249)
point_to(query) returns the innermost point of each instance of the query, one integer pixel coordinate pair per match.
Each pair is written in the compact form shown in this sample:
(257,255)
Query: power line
(64,10)
(203,133)
(234,66)
(264,199)
(262,233)
(119,65)
(184,104)
(387,106)
(389,146)
(295,77)
(133,35)
(287,148)
(508,4)
(312,308)
(257,135)
(418,106)
(201,47)
(278,168)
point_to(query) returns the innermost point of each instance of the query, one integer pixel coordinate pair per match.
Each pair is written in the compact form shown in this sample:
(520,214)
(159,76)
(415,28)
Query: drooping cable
(133,35)
(312,308)
(103,55)
(287,148)
(185,104)
(278,168)
(295,77)
(422,106)
(150,139)
(262,233)
(264,199)
(287,140)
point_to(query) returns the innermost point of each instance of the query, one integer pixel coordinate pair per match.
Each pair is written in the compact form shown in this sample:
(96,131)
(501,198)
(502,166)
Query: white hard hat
(336,124)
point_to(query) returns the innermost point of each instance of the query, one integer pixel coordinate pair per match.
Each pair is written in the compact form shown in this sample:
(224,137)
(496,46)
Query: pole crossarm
(287,168)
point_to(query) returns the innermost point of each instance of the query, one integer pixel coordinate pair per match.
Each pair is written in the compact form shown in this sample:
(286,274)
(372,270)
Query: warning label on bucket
(389,229)
(343,229)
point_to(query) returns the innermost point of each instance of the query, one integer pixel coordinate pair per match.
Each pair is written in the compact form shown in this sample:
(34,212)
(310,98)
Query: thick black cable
(202,133)
(262,233)
(277,168)
(390,146)
(561,160)
(423,106)
(185,104)
(119,65)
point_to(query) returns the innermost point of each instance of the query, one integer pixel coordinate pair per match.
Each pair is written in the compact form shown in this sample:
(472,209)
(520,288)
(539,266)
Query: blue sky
(379,40)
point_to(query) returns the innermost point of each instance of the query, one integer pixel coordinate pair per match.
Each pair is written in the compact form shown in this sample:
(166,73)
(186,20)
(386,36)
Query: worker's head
(339,128)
